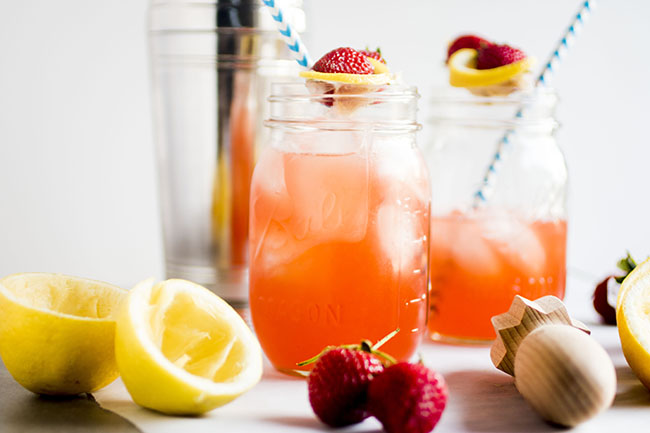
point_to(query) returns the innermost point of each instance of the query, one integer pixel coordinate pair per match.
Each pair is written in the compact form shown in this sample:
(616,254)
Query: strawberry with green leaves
(604,298)
(350,383)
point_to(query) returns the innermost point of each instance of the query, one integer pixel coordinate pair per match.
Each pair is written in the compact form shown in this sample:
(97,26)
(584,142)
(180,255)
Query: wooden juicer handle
(562,372)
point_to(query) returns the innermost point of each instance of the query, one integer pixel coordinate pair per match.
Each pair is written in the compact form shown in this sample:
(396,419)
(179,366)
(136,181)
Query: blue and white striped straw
(291,37)
(544,78)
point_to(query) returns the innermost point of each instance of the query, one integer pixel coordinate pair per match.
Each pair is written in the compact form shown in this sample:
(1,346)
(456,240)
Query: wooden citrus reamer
(563,373)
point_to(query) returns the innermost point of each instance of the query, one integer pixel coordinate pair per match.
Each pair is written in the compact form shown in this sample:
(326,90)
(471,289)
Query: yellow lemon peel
(463,72)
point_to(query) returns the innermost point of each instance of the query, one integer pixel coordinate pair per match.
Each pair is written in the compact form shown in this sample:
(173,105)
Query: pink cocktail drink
(339,235)
(479,263)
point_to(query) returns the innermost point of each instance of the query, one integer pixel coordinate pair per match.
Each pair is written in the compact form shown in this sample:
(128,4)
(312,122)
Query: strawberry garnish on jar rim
(466,41)
(475,62)
(349,66)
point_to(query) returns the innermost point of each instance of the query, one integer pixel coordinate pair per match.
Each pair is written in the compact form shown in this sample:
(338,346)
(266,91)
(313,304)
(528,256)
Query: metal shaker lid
(210,15)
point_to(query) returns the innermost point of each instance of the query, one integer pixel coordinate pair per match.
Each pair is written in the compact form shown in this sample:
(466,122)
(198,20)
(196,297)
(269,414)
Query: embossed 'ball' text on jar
(339,224)
(498,210)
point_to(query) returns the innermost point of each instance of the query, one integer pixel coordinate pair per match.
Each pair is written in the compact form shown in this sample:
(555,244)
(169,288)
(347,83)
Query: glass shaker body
(212,65)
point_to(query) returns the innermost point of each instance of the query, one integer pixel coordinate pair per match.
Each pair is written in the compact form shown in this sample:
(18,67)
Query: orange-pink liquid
(338,254)
(479,264)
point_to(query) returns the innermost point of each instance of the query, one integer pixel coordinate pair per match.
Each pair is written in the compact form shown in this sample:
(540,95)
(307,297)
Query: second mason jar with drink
(498,226)
(339,223)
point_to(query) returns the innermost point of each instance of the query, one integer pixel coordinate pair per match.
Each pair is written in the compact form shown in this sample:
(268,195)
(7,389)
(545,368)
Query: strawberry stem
(366,346)
(626,265)
(385,339)
(314,358)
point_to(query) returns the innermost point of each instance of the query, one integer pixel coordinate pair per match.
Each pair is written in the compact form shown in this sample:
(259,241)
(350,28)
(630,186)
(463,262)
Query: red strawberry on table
(466,41)
(407,398)
(338,385)
(601,300)
(604,298)
(492,56)
(344,60)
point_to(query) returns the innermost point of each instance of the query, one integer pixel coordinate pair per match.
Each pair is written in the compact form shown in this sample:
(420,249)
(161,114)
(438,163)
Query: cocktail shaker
(212,65)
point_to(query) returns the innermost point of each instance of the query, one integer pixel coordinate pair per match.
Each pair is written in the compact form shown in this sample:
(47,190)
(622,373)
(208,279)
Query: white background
(77,175)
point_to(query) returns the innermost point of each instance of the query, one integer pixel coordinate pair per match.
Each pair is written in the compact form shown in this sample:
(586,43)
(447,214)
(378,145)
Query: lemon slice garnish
(57,332)
(183,350)
(371,79)
(463,72)
(380,67)
(380,77)
(633,320)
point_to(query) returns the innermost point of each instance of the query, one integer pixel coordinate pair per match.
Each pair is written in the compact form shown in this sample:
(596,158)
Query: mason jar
(498,210)
(339,223)
(212,64)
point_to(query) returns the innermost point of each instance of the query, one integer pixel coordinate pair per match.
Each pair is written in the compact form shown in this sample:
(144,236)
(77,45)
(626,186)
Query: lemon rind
(636,346)
(7,293)
(367,79)
(380,67)
(463,72)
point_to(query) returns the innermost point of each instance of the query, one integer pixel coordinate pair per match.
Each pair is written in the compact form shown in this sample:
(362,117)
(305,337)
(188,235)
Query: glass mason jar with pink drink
(498,211)
(339,223)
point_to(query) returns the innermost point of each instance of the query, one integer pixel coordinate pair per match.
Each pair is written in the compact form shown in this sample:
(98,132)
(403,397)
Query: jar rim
(326,105)
(532,108)
(461,95)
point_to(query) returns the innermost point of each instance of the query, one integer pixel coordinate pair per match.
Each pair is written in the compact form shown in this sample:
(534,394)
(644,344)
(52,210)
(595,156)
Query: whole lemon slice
(57,333)
(633,320)
(370,79)
(463,72)
(183,350)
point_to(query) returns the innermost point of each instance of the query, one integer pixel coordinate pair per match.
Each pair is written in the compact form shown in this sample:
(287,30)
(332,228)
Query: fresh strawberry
(466,41)
(602,302)
(493,56)
(344,61)
(604,298)
(338,385)
(407,398)
(373,54)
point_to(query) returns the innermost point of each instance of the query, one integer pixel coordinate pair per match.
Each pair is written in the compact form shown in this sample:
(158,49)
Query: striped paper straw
(544,78)
(291,38)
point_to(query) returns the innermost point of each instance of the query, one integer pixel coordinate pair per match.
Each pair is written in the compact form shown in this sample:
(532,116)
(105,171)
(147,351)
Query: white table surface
(481,398)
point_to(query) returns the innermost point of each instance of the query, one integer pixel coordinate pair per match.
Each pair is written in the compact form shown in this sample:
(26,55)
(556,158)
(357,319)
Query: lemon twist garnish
(463,72)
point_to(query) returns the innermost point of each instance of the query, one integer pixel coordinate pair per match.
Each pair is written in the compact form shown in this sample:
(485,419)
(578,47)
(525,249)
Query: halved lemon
(57,332)
(463,72)
(633,320)
(183,350)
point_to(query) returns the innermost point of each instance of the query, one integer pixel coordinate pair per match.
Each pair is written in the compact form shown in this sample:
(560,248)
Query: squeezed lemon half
(183,350)
(633,320)
(463,72)
(57,332)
